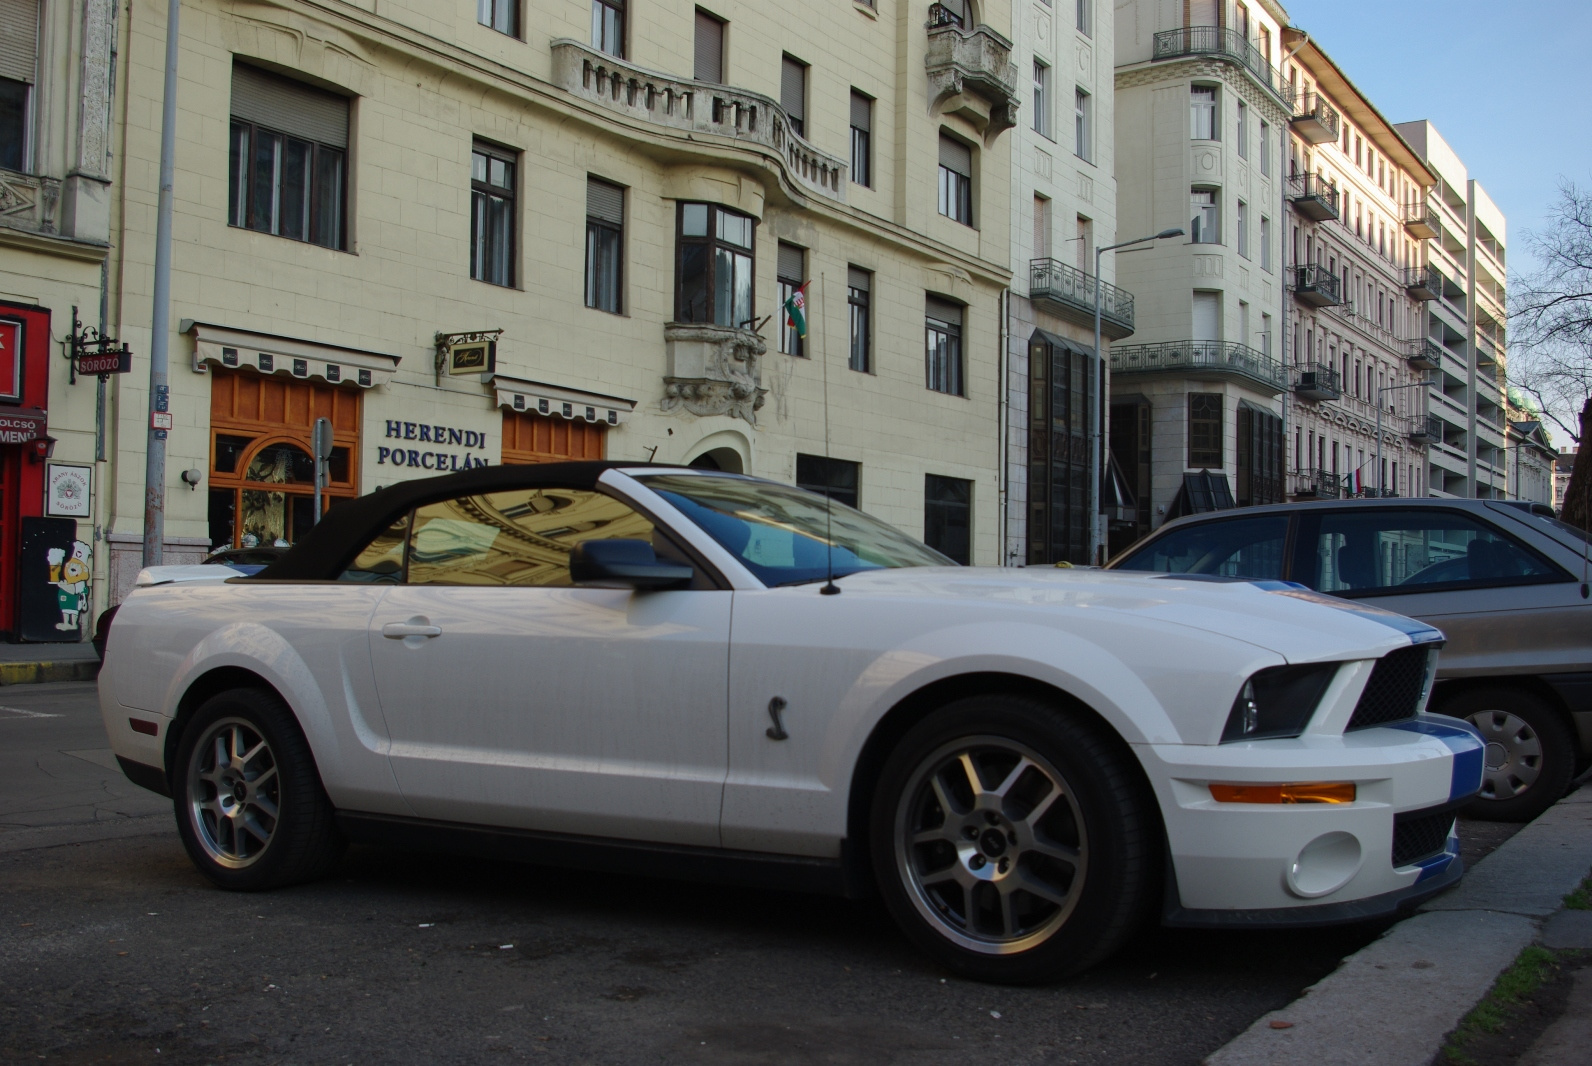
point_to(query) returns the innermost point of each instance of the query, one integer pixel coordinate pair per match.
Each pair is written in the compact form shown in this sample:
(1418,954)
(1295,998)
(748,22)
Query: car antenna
(830,588)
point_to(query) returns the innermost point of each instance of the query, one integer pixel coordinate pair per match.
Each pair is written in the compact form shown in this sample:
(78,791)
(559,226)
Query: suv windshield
(783,535)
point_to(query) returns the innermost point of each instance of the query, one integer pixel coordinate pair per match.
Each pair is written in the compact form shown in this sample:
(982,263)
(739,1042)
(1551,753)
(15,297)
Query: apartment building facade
(1063,196)
(519,230)
(1465,297)
(1202,112)
(1358,355)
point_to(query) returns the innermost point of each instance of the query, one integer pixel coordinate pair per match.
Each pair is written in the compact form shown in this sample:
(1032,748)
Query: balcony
(1317,381)
(1316,121)
(1313,198)
(1426,430)
(1421,221)
(1220,41)
(29,203)
(1201,360)
(1316,485)
(1316,286)
(1487,350)
(1070,292)
(1423,283)
(1423,353)
(971,73)
(695,108)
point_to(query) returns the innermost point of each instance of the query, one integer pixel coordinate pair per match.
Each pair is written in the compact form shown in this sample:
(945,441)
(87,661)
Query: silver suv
(1506,582)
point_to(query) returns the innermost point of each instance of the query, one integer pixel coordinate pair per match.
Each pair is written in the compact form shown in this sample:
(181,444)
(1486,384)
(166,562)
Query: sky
(1507,83)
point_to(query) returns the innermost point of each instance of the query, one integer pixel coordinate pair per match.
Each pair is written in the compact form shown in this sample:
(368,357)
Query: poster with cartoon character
(56,580)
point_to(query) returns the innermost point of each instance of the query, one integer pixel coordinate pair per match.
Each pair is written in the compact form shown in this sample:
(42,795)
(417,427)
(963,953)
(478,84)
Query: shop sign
(105,362)
(67,490)
(429,446)
(20,427)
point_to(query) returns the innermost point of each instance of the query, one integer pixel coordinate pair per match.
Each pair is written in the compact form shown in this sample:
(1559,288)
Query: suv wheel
(1530,757)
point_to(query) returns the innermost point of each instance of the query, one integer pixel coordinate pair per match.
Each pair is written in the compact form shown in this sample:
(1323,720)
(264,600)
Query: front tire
(1531,752)
(1012,840)
(250,807)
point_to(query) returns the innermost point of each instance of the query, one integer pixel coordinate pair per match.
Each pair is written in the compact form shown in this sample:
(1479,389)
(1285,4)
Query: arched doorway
(727,459)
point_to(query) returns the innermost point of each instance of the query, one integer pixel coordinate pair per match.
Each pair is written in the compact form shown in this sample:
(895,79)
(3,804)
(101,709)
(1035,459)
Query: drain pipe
(1003,436)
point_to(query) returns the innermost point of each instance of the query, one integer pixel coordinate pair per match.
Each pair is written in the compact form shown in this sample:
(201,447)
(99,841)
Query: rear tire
(1012,841)
(250,807)
(1531,752)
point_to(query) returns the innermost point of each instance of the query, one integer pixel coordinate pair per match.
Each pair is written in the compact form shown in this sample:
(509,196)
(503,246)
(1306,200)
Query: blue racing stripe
(1418,632)
(1469,750)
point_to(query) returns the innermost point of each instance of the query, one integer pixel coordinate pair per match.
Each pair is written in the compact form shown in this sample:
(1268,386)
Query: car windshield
(783,535)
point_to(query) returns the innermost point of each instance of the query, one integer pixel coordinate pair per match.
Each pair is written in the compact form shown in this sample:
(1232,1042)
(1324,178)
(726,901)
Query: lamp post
(1099,401)
(1380,487)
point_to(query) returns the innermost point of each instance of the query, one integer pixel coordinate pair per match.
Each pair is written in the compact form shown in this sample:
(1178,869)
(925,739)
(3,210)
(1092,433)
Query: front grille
(1420,836)
(1394,691)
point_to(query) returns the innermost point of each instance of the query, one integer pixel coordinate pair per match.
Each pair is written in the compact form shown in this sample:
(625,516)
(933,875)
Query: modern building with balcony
(1357,273)
(1203,111)
(1462,316)
(1063,197)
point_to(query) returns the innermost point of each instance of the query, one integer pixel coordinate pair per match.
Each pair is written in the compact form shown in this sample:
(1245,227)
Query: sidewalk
(26,664)
(1396,1000)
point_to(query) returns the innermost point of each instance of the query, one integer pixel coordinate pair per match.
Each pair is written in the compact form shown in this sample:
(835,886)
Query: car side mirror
(623,564)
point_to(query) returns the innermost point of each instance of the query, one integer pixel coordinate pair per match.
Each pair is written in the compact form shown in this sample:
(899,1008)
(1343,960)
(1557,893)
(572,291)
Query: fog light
(1324,865)
(1311,792)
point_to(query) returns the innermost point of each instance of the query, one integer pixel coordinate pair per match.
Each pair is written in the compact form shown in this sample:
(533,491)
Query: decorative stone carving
(971,73)
(713,370)
(27,201)
(94,116)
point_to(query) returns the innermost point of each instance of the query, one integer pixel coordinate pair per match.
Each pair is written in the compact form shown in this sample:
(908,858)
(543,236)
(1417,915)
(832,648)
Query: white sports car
(704,675)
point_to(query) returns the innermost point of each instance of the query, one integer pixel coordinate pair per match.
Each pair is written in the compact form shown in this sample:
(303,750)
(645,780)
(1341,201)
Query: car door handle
(415,627)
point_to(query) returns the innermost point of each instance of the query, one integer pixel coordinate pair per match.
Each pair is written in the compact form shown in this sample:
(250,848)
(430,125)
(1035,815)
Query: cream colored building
(482,231)
(1532,462)
(1202,110)
(1063,195)
(1356,253)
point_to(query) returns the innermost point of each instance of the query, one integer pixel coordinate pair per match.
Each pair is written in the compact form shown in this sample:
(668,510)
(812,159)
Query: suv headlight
(1278,702)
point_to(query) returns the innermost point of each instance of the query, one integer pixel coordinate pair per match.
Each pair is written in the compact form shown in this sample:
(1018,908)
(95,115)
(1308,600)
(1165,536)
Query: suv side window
(521,537)
(1382,551)
(1251,548)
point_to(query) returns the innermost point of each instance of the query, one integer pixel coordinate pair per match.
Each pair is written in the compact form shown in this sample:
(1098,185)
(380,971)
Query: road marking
(21,713)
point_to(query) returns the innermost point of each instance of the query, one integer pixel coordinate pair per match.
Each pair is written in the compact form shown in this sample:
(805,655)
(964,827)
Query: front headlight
(1278,702)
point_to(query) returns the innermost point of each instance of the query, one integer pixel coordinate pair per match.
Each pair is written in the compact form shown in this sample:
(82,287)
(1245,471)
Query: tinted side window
(520,537)
(1387,551)
(382,560)
(1235,547)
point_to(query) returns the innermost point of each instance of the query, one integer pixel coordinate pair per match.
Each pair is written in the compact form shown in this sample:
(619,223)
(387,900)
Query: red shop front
(24,397)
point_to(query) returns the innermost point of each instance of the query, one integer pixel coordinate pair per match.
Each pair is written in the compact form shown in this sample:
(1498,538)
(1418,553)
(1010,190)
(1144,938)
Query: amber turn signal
(1314,792)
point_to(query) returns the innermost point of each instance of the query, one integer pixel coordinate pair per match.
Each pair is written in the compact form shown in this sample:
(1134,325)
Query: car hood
(1288,619)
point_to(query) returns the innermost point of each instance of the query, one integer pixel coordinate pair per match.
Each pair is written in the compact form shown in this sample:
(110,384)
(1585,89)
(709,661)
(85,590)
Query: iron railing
(1316,199)
(1426,429)
(1218,40)
(940,15)
(1316,120)
(1423,282)
(1317,484)
(1423,353)
(1199,357)
(1315,284)
(1317,381)
(1421,219)
(1049,279)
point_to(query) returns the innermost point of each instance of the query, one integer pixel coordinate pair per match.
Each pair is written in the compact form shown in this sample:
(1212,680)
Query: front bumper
(1251,864)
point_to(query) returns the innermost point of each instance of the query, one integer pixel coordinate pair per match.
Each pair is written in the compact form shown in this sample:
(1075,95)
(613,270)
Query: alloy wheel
(234,793)
(1514,754)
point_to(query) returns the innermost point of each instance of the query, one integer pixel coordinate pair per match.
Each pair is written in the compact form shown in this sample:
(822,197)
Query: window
(1403,552)
(1265,335)
(1041,99)
(1085,245)
(1243,231)
(1202,114)
(834,478)
(793,93)
(1243,130)
(1205,430)
(1086,17)
(1260,456)
(1265,244)
(859,300)
(501,15)
(948,516)
(1249,548)
(13,123)
(1041,227)
(709,48)
(520,537)
(943,329)
(1204,228)
(605,245)
(1265,149)
(1061,380)
(713,267)
(608,26)
(791,274)
(19,34)
(1083,126)
(956,180)
(287,158)
(861,139)
(492,215)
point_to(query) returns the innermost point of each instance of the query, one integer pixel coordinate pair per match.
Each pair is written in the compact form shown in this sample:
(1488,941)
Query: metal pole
(1096,402)
(1380,488)
(160,319)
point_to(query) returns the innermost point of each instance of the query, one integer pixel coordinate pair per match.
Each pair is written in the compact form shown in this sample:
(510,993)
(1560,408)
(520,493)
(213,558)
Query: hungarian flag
(796,310)
(1356,484)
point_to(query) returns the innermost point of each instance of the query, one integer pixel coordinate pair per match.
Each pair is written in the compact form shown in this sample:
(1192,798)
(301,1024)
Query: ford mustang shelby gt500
(699,674)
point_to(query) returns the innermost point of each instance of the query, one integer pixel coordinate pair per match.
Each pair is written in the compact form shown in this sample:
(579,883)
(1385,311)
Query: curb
(1397,999)
(40,672)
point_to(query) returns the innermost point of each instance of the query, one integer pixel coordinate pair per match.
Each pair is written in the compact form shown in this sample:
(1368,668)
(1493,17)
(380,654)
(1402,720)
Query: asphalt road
(113,949)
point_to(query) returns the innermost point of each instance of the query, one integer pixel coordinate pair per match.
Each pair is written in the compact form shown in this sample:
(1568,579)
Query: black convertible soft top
(328,548)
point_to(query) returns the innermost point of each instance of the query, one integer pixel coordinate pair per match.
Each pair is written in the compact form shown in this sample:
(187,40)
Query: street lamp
(1100,386)
(1380,487)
